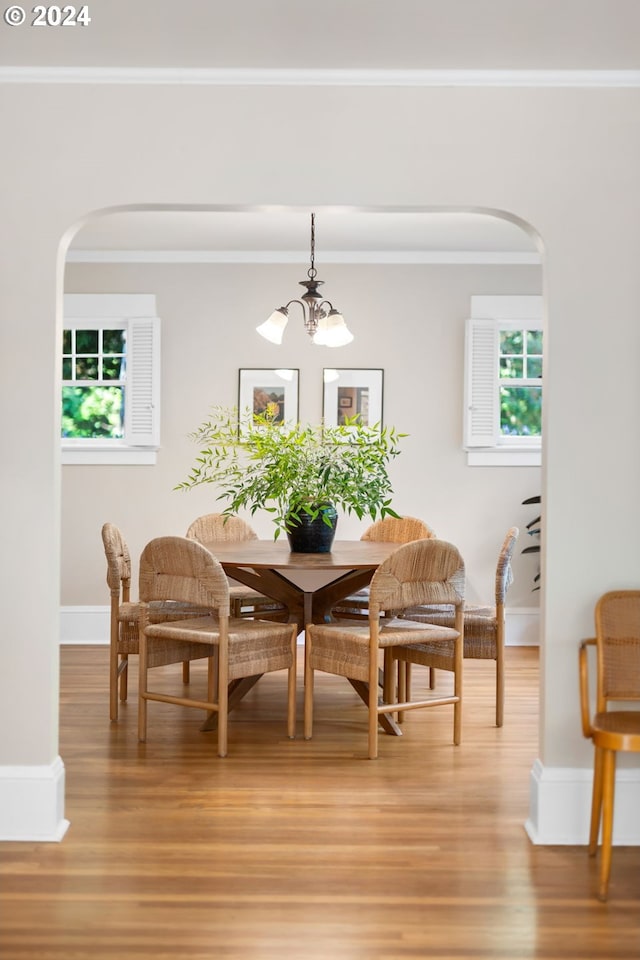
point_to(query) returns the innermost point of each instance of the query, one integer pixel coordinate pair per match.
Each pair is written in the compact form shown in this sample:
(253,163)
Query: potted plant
(300,473)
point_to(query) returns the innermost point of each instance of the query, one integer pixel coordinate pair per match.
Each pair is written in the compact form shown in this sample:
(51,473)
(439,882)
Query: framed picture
(261,390)
(348,393)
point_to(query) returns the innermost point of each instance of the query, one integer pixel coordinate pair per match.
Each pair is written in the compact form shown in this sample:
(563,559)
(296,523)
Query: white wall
(565,160)
(408,320)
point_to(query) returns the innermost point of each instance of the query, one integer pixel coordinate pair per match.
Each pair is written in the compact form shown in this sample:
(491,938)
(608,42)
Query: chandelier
(326,327)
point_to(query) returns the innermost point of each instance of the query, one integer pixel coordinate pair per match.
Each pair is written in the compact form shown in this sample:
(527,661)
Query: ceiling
(276,235)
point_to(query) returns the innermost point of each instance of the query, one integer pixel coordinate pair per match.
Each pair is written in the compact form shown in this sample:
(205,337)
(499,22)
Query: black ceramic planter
(314,535)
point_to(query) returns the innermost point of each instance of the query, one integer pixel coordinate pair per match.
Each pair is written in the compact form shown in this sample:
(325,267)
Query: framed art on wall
(352,392)
(263,390)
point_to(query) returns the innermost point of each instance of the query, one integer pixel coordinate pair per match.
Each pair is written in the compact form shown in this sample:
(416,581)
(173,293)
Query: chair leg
(403,681)
(406,691)
(212,676)
(113,682)
(291,688)
(432,678)
(373,710)
(223,699)
(185,671)
(596,802)
(123,670)
(457,689)
(388,677)
(142,688)
(608,792)
(500,688)
(373,723)
(308,686)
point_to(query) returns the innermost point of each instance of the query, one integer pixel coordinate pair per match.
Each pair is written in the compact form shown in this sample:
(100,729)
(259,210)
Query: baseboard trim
(84,625)
(522,627)
(90,625)
(32,802)
(560,806)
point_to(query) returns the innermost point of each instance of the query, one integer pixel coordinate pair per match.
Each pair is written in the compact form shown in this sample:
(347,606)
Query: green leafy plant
(290,469)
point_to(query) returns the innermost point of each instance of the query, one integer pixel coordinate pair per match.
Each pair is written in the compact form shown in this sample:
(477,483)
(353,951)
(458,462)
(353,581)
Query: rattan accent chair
(617,643)
(422,571)
(125,616)
(484,627)
(245,602)
(180,569)
(388,530)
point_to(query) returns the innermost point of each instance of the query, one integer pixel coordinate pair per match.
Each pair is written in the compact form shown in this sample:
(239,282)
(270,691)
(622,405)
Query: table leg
(385,720)
(237,690)
(308,607)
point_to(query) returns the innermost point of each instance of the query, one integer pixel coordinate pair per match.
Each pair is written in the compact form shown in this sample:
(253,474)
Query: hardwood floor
(305,851)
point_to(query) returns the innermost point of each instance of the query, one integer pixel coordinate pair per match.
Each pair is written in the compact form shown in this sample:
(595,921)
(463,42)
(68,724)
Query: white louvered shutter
(142,399)
(481,403)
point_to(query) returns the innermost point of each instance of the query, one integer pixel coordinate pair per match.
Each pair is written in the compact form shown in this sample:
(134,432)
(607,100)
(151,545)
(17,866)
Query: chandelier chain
(312,272)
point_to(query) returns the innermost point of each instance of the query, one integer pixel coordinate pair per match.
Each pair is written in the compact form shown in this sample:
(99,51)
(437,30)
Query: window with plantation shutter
(503,381)
(142,406)
(110,379)
(481,401)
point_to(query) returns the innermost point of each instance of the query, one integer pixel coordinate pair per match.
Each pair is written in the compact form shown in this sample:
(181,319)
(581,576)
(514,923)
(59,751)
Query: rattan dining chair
(388,530)
(245,602)
(617,643)
(484,627)
(125,617)
(180,569)
(422,571)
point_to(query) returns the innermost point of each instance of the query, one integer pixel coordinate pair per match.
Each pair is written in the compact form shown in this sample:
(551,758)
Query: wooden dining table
(273,569)
(309,584)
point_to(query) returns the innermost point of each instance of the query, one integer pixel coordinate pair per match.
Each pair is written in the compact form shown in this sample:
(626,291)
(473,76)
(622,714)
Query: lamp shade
(273,327)
(332,331)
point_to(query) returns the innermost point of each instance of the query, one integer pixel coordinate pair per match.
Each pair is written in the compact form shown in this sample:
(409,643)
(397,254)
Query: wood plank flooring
(305,851)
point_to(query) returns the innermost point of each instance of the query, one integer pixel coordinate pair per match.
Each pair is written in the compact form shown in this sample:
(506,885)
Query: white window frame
(137,314)
(484,443)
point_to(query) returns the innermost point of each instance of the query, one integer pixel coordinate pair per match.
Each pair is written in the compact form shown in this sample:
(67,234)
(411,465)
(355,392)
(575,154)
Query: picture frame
(350,392)
(258,387)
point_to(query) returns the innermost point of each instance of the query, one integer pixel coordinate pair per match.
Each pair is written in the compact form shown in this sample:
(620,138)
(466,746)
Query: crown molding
(495,258)
(205,76)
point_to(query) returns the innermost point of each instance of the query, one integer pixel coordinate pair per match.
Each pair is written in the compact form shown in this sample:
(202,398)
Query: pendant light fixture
(324,324)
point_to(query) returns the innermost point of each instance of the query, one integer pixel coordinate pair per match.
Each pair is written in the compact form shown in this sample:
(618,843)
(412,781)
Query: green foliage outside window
(92,412)
(521,411)
(521,383)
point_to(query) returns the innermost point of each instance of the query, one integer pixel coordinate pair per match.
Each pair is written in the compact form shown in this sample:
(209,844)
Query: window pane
(521,411)
(534,341)
(87,368)
(511,367)
(86,341)
(66,341)
(66,369)
(511,341)
(113,341)
(534,367)
(92,412)
(111,367)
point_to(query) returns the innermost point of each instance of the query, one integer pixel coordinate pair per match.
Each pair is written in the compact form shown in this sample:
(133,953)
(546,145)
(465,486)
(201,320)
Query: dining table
(309,584)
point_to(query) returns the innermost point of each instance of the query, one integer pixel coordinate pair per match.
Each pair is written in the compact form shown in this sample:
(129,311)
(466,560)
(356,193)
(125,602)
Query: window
(520,376)
(110,382)
(503,381)
(93,381)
